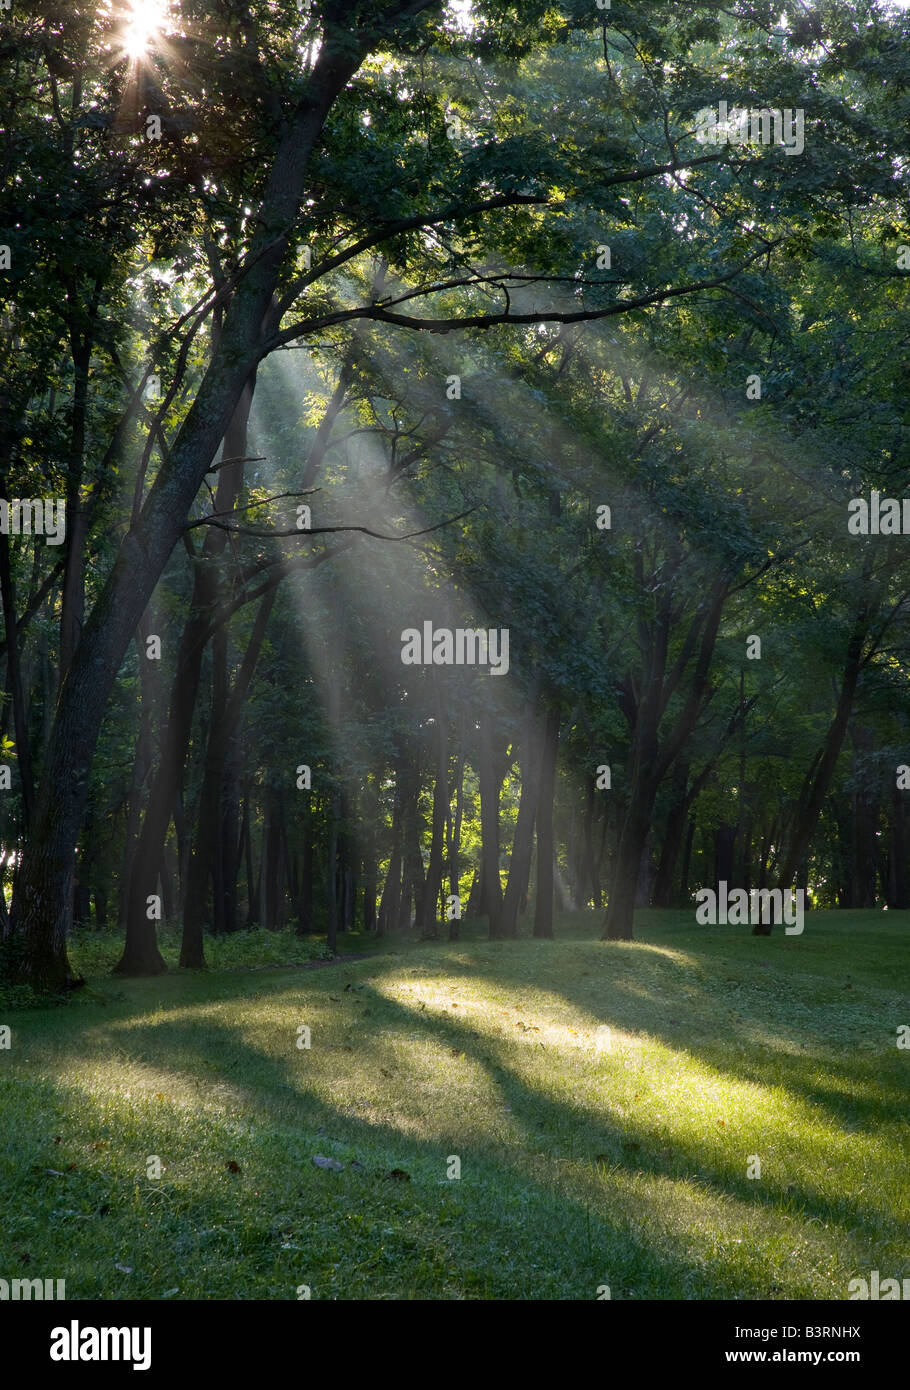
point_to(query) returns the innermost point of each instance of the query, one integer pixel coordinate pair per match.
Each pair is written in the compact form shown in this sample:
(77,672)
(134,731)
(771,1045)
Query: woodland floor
(587,1159)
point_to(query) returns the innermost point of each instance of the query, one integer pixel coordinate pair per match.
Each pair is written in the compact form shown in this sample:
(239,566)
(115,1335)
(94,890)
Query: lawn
(605,1103)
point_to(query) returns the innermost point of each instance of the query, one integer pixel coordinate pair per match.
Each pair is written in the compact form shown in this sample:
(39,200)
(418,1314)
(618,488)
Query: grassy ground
(588,1157)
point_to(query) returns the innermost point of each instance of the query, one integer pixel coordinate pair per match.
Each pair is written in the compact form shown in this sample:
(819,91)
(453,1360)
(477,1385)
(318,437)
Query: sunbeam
(145,27)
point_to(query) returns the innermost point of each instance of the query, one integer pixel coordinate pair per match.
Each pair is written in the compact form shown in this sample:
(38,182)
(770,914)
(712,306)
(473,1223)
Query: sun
(146,23)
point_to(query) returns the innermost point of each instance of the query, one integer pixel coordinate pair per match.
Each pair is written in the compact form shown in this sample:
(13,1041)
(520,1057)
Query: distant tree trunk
(413,884)
(523,840)
(765,849)
(474,895)
(674,828)
(347,875)
(865,812)
(575,858)
(305,900)
(543,910)
(819,777)
(100,898)
(724,846)
(331,876)
(14,682)
(369,891)
(651,755)
(593,892)
(140,953)
(455,835)
(131,828)
(368,852)
(430,904)
(391,891)
(272,859)
(897,858)
(208,829)
(686,862)
(247,831)
(490,782)
(230,836)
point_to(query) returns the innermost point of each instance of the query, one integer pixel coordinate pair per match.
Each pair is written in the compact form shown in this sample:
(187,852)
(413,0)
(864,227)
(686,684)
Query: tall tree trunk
(412,877)
(674,827)
(209,827)
(455,834)
(305,910)
(231,841)
(440,804)
(14,681)
(543,909)
(44,887)
(724,848)
(252,914)
(272,859)
(72,603)
(651,756)
(591,877)
(523,840)
(391,892)
(686,861)
(819,778)
(140,953)
(332,873)
(490,782)
(897,857)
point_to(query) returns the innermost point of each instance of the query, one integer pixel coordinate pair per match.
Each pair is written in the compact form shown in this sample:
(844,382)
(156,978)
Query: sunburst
(145,27)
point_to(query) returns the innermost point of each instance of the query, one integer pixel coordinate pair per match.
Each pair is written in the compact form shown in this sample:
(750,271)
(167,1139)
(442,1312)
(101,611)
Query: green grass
(579,1167)
(96,953)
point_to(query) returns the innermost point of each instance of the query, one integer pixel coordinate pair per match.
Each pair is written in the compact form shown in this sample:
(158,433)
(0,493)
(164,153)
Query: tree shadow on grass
(271,1090)
(851,1106)
(208,1049)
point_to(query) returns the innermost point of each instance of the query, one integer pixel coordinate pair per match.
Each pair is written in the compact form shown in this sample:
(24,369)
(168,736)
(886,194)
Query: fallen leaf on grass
(124,1269)
(331,1164)
(400,1175)
(232,1166)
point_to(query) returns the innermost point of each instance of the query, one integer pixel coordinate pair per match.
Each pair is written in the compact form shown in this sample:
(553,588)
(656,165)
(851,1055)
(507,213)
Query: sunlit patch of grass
(605,1103)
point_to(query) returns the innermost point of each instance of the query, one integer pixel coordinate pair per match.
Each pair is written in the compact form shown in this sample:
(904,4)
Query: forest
(453,460)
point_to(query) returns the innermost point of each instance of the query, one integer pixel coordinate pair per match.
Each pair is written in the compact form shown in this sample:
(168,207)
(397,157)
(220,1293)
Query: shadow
(268,1084)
